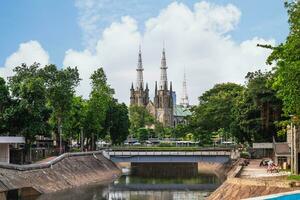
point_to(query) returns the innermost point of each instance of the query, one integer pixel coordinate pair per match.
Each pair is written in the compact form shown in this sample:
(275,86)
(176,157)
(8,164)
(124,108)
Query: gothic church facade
(162,105)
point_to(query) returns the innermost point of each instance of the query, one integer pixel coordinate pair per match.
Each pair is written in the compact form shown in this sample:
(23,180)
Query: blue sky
(215,40)
(54,23)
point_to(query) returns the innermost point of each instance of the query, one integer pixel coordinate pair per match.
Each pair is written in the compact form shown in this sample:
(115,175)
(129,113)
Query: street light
(81,138)
(293,148)
(60,139)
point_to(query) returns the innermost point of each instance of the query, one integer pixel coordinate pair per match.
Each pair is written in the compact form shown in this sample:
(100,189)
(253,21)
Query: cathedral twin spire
(163,84)
(162,106)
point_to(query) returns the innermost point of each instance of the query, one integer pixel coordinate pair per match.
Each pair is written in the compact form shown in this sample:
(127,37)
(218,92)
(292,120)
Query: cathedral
(163,107)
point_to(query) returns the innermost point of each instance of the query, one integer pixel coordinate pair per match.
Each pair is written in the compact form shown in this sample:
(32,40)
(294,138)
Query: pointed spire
(140,63)
(163,71)
(155,87)
(166,86)
(184,98)
(147,86)
(139,71)
(163,59)
(132,86)
(141,86)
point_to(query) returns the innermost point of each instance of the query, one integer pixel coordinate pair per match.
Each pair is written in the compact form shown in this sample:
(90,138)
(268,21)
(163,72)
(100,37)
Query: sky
(214,40)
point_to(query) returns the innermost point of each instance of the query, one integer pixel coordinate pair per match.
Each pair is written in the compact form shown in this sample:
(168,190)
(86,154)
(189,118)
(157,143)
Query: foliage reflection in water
(132,187)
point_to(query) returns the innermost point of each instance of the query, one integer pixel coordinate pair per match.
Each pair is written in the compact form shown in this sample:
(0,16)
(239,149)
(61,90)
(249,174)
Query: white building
(5,141)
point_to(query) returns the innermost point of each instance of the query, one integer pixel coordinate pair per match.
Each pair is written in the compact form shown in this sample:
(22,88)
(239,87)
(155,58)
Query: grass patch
(294,177)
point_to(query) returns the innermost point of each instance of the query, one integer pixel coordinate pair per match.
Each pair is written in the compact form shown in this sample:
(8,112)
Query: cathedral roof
(181,111)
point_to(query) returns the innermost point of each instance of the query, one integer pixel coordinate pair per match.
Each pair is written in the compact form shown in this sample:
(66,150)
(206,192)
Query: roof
(263,145)
(181,111)
(282,149)
(11,140)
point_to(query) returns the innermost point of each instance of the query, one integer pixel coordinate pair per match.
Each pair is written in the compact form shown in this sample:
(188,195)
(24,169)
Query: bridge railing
(169,153)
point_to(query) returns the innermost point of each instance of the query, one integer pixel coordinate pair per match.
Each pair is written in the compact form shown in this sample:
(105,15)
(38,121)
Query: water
(286,197)
(138,186)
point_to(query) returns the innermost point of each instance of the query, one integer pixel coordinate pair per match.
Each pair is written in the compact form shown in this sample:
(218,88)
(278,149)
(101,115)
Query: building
(163,107)
(138,95)
(5,142)
(183,110)
(180,114)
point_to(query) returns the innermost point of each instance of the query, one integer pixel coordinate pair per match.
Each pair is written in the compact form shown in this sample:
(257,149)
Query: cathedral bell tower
(138,95)
(163,99)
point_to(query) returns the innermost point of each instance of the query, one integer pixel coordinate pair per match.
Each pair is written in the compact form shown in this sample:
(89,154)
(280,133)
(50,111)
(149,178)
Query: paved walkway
(46,159)
(253,170)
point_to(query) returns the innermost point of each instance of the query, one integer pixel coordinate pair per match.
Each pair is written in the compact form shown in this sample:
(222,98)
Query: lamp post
(60,139)
(81,139)
(294,156)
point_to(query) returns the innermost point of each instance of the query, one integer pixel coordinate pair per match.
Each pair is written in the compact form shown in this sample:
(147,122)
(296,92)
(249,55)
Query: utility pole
(81,139)
(60,139)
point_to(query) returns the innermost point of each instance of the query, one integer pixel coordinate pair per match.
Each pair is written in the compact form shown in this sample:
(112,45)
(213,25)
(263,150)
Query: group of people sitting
(271,166)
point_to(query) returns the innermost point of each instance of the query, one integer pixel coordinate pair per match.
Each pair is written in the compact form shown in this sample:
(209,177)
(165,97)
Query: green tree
(60,89)
(257,109)
(117,122)
(214,111)
(143,134)
(139,118)
(180,131)
(286,58)
(246,123)
(5,102)
(74,121)
(100,98)
(29,114)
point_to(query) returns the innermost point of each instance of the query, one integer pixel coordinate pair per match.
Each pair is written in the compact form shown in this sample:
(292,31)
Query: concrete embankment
(219,169)
(66,171)
(236,187)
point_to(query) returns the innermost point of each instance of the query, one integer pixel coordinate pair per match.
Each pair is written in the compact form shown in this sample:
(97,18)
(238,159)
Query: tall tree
(117,122)
(286,58)
(75,120)
(139,118)
(98,105)
(60,85)
(214,111)
(5,102)
(29,114)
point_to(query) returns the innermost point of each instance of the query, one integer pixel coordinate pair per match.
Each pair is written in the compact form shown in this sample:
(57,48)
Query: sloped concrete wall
(67,172)
(235,188)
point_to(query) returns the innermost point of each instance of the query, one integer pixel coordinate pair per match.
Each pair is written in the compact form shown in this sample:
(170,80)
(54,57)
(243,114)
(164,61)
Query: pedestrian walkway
(253,170)
(46,159)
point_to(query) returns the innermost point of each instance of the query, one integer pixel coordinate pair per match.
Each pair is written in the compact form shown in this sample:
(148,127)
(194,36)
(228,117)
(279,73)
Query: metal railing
(169,153)
(46,164)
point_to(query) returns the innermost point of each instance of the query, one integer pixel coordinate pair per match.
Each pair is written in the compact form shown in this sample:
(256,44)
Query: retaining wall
(66,171)
(235,188)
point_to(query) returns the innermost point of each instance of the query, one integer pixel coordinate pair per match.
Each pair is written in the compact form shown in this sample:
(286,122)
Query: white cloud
(27,53)
(198,39)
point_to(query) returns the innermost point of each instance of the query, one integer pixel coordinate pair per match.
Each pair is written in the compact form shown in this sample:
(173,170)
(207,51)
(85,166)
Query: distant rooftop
(181,111)
(11,140)
(282,149)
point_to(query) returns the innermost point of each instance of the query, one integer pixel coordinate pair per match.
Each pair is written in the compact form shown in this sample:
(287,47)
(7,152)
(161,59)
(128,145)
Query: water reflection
(133,187)
(136,188)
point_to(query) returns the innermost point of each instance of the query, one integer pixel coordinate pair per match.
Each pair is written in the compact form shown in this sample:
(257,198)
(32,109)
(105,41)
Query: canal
(147,182)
